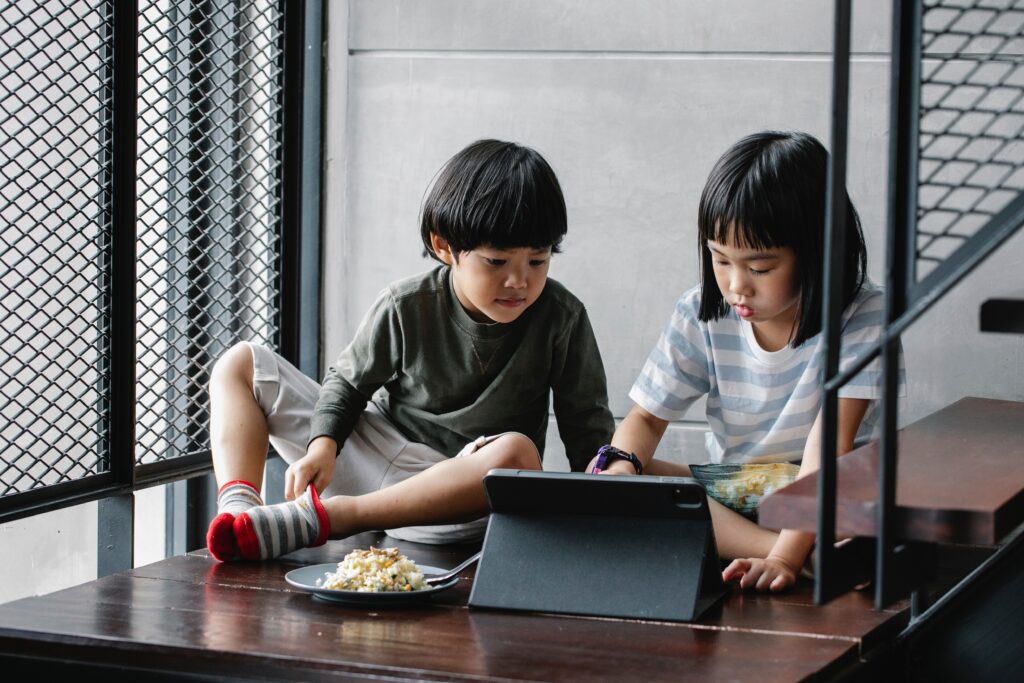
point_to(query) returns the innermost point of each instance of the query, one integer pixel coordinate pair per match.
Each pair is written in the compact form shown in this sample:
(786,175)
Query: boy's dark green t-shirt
(444,379)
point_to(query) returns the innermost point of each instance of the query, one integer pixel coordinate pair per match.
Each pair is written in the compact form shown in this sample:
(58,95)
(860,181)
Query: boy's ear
(442,249)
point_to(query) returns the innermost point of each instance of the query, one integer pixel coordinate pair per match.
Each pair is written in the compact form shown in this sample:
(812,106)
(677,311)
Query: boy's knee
(234,365)
(514,451)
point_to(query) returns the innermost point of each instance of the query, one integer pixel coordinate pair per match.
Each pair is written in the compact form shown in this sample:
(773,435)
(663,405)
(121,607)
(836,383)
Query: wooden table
(191,617)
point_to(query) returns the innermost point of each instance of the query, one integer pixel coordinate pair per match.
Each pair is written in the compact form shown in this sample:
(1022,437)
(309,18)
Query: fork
(434,579)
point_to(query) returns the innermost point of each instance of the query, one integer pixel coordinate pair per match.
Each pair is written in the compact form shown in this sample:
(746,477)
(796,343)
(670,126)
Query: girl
(748,337)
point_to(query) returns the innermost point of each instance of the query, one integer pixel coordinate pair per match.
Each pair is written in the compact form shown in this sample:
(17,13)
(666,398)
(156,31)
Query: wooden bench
(960,479)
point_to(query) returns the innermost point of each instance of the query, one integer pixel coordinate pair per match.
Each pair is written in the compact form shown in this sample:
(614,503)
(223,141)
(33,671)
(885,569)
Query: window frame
(300,175)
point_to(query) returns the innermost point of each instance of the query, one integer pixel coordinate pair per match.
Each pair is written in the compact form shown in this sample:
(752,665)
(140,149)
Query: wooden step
(960,479)
(1003,315)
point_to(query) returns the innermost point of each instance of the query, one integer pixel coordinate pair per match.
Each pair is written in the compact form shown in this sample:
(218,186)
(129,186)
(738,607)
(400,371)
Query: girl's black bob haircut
(496,194)
(768,190)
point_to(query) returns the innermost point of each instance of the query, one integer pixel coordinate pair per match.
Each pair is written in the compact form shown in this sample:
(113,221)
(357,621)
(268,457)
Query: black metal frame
(119,168)
(300,324)
(830,560)
(115,540)
(900,268)
(897,564)
(300,174)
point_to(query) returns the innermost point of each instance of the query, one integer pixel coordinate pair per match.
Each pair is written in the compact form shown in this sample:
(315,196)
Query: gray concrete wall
(631,103)
(54,550)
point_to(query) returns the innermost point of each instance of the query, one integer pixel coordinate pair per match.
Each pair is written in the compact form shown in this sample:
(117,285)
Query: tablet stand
(633,547)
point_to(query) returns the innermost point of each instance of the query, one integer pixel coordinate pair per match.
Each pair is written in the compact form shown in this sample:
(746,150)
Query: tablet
(610,546)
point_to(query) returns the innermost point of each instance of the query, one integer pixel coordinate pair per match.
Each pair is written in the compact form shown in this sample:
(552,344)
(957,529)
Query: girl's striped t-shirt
(760,404)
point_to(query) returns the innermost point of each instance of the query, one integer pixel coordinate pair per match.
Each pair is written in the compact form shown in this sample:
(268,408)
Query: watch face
(599,464)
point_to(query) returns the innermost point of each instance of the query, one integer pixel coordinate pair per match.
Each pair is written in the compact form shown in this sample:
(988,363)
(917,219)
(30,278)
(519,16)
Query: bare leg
(449,492)
(238,428)
(238,443)
(736,535)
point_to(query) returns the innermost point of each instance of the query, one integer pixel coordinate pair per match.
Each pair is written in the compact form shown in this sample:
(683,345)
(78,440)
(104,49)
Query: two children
(460,361)
(474,347)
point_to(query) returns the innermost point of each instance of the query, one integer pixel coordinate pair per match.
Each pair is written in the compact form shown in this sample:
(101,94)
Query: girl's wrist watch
(608,454)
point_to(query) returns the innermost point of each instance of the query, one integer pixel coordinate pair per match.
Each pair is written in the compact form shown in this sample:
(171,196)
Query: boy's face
(496,285)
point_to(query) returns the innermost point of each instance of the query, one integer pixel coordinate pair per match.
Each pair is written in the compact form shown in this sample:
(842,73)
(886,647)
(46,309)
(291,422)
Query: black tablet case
(610,546)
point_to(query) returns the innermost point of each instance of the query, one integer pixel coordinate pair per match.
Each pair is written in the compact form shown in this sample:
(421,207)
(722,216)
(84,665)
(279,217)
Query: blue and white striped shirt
(760,404)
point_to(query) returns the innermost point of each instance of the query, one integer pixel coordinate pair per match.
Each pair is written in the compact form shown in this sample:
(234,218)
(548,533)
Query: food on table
(375,570)
(742,487)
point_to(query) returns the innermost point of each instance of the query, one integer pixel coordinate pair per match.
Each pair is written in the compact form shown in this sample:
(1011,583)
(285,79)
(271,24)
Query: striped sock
(272,530)
(238,496)
(233,498)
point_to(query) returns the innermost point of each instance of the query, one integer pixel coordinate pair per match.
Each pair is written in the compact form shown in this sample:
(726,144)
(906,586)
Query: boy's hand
(771,573)
(316,467)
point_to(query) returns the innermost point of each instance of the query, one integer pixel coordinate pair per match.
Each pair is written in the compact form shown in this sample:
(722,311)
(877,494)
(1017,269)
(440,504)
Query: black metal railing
(956,193)
(158,202)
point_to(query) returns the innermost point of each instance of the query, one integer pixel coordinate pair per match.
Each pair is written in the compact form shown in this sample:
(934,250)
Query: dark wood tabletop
(189,616)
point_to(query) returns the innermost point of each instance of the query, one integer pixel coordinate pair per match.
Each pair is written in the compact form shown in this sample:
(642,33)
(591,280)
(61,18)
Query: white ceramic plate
(306,578)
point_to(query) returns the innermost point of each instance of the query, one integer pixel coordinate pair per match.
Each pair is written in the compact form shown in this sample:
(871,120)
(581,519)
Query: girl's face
(761,286)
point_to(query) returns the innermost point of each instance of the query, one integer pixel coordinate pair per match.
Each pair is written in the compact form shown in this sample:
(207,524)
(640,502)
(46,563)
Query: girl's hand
(619,467)
(316,467)
(771,573)
(616,467)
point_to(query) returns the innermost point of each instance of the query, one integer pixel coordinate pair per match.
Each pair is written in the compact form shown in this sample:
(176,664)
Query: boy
(472,348)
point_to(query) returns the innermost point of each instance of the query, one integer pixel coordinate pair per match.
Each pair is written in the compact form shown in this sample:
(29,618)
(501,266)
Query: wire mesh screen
(208,185)
(972,115)
(210,77)
(54,245)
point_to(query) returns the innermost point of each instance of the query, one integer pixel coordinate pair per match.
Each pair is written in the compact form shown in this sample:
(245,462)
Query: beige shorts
(375,456)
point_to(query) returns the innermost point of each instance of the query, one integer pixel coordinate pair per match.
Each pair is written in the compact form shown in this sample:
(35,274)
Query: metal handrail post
(116,514)
(827,584)
(899,279)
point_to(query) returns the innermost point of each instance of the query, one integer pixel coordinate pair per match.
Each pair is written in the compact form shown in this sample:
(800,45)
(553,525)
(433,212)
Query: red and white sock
(272,530)
(234,497)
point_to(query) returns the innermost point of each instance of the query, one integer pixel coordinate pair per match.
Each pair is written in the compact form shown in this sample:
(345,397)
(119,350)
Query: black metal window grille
(209,210)
(159,187)
(55,238)
(972,114)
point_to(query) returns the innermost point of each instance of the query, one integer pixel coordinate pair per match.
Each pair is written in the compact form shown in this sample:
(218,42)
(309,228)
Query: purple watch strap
(608,453)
